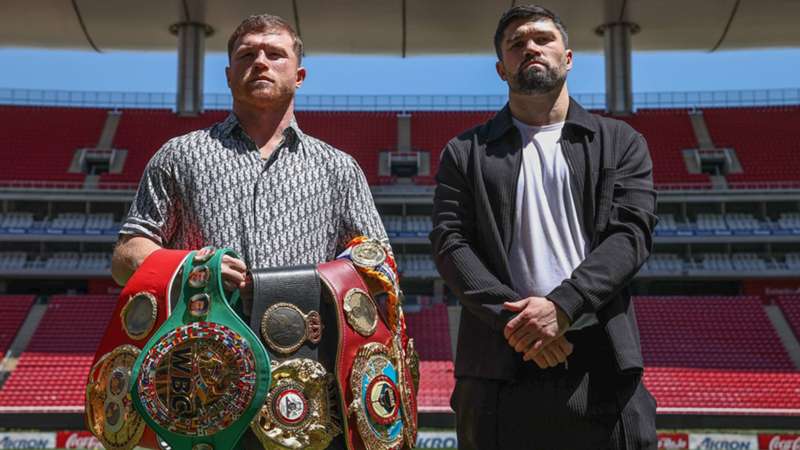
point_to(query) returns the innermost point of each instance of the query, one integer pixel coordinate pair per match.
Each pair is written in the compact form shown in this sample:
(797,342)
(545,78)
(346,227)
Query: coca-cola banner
(27,440)
(779,441)
(77,439)
(713,441)
(673,441)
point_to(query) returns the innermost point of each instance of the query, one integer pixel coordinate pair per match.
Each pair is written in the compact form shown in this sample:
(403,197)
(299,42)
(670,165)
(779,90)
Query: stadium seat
(430,330)
(755,133)
(51,372)
(668,132)
(48,138)
(13,311)
(430,131)
(714,352)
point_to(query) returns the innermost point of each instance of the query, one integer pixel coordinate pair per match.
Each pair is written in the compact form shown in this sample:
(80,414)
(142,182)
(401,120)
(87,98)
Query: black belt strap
(299,286)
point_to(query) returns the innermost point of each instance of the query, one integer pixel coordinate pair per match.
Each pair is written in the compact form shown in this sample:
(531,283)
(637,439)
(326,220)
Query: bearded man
(542,216)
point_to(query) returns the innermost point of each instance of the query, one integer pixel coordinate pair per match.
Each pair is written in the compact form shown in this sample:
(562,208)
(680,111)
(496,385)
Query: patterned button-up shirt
(211,187)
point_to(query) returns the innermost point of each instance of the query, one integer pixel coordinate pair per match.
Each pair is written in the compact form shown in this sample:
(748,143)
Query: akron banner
(27,440)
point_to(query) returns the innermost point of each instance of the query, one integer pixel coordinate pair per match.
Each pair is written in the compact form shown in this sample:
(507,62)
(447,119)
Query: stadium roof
(377,26)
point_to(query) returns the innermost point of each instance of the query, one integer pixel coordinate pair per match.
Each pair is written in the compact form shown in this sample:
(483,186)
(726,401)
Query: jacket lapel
(500,164)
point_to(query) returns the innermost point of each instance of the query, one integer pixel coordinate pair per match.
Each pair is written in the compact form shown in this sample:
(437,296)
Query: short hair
(266,22)
(531,13)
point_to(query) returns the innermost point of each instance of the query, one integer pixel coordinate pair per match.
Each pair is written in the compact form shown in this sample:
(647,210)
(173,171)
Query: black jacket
(473,217)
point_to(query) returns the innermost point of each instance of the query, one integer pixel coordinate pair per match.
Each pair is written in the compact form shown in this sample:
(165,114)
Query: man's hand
(234,273)
(537,323)
(551,354)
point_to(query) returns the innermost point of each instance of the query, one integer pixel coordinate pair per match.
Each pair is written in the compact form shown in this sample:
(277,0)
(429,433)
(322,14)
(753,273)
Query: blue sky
(441,74)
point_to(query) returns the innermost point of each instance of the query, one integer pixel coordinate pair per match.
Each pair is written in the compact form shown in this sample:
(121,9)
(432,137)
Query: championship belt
(203,375)
(379,270)
(142,306)
(287,316)
(367,375)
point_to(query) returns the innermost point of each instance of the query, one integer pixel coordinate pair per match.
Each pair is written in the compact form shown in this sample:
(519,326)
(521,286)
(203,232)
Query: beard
(277,93)
(537,80)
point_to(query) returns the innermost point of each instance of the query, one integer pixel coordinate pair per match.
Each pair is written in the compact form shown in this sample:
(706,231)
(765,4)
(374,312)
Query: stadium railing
(211,101)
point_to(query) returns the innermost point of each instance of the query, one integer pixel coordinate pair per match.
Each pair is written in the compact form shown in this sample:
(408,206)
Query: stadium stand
(707,221)
(430,330)
(793,261)
(714,353)
(416,265)
(51,372)
(44,139)
(755,133)
(22,220)
(361,134)
(418,226)
(13,310)
(664,264)
(431,130)
(668,133)
(12,260)
(365,134)
(790,305)
(143,131)
(789,221)
(742,221)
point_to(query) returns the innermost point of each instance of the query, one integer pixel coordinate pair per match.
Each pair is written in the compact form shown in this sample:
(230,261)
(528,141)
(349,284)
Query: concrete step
(785,333)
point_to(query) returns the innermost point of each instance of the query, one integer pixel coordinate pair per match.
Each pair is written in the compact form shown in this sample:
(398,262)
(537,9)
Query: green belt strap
(204,375)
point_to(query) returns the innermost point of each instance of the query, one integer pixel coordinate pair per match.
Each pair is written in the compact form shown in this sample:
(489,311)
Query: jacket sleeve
(454,239)
(626,242)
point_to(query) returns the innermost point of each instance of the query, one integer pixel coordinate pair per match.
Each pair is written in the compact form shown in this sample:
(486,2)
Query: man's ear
(301,76)
(568,55)
(228,76)
(501,70)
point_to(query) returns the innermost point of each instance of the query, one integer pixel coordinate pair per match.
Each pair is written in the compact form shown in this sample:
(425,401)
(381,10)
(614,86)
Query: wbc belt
(203,375)
(142,306)
(366,375)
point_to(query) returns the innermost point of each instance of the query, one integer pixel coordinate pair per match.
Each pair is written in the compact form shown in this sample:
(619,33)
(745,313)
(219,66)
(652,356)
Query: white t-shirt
(549,241)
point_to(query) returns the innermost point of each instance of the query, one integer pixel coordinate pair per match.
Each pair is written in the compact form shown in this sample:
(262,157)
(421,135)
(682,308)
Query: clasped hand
(537,331)
(234,276)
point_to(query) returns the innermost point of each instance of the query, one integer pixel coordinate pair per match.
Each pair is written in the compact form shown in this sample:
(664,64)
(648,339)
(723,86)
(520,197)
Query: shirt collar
(230,127)
(576,117)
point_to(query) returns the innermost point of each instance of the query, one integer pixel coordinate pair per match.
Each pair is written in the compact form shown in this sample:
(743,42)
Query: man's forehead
(259,36)
(523,26)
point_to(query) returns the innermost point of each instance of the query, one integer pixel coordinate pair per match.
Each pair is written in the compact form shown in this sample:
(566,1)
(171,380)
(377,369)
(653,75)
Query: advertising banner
(31,439)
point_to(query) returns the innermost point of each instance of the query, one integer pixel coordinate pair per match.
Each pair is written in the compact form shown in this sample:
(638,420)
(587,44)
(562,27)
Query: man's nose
(532,48)
(261,58)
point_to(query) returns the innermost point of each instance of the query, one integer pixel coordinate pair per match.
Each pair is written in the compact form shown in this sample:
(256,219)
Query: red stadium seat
(52,371)
(755,133)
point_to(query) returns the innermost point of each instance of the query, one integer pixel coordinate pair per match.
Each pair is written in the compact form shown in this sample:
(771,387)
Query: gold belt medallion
(360,312)
(296,414)
(286,328)
(139,315)
(109,408)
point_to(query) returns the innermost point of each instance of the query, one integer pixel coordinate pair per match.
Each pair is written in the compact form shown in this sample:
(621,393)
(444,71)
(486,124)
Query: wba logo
(780,441)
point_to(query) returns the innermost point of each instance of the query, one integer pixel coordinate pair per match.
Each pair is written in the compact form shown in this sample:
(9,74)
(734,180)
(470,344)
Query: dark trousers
(586,404)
